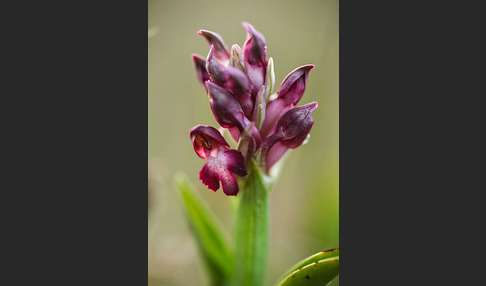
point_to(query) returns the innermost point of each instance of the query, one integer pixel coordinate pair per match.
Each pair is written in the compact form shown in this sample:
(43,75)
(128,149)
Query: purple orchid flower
(239,83)
(288,95)
(291,131)
(222,162)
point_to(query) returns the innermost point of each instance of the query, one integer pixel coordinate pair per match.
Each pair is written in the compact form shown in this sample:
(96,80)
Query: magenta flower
(222,162)
(240,84)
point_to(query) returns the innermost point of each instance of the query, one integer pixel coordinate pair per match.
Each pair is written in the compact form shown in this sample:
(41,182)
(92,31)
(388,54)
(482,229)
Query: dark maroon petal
(237,82)
(214,39)
(200,67)
(235,162)
(215,69)
(255,55)
(293,86)
(206,140)
(255,46)
(209,177)
(226,108)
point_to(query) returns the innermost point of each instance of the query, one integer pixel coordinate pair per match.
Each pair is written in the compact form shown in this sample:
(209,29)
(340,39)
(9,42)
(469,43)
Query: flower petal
(238,84)
(215,69)
(295,124)
(229,183)
(226,108)
(214,39)
(209,177)
(235,162)
(255,57)
(200,67)
(293,86)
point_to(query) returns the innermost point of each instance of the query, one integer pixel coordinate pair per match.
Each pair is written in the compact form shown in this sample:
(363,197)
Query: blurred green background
(305,200)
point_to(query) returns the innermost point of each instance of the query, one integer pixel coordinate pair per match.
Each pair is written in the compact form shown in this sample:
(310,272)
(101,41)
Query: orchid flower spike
(239,82)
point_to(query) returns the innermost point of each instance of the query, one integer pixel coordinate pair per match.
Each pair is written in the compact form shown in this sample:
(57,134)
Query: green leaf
(211,239)
(318,273)
(311,259)
(251,230)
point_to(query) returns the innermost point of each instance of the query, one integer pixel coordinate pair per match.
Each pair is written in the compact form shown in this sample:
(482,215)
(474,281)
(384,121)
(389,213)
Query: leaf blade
(211,239)
(315,274)
(311,259)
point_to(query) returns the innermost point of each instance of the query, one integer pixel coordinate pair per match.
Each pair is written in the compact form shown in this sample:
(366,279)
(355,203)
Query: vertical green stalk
(251,231)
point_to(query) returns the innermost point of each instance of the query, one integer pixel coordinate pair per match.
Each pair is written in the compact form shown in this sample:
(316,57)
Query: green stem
(251,231)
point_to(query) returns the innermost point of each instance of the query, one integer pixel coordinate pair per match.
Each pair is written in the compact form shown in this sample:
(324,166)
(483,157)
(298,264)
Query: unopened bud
(215,69)
(214,39)
(293,86)
(226,108)
(200,67)
(255,55)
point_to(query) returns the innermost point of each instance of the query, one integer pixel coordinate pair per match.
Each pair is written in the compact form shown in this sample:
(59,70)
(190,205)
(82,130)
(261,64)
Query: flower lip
(222,162)
(221,168)
(206,140)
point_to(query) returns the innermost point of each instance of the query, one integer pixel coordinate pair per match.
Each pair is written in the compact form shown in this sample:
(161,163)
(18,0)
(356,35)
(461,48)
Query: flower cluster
(240,85)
